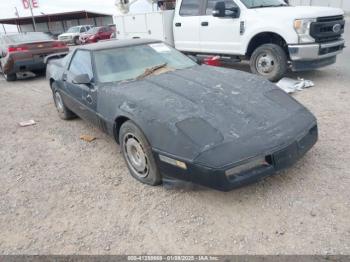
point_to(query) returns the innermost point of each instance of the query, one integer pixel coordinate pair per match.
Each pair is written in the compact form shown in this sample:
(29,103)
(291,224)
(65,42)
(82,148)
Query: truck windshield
(128,63)
(263,3)
(74,29)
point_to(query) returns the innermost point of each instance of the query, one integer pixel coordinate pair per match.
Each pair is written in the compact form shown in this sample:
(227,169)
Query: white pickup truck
(272,35)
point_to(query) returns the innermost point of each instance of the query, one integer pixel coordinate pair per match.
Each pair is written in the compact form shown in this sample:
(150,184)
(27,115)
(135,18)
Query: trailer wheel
(270,61)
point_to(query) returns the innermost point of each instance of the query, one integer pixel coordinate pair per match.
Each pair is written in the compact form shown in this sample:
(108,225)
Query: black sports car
(175,119)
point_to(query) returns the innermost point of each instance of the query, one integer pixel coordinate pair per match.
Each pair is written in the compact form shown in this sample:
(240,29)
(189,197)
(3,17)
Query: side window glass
(190,8)
(82,30)
(81,64)
(211,4)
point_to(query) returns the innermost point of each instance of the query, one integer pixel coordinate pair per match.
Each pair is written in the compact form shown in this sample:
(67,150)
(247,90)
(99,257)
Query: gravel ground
(62,195)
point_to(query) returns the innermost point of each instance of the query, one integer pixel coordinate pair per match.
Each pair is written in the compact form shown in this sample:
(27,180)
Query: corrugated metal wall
(344,4)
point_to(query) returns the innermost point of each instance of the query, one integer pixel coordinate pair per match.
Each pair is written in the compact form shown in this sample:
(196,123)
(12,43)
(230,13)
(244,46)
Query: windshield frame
(97,77)
(282,4)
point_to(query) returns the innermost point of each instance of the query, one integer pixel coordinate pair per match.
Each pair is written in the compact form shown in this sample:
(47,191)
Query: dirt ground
(61,195)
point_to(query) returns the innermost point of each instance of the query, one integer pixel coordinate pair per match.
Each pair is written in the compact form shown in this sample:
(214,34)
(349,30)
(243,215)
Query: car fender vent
(200,131)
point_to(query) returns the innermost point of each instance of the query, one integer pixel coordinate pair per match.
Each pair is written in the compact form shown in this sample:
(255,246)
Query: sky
(7,7)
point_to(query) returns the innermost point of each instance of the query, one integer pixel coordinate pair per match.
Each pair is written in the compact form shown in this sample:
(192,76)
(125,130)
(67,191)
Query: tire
(63,112)
(10,77)
(76,41)
(138,155)
(270,61)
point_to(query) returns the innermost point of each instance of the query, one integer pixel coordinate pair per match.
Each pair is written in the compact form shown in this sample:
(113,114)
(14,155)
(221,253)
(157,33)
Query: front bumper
(67,40)
(312,56)
(217,179)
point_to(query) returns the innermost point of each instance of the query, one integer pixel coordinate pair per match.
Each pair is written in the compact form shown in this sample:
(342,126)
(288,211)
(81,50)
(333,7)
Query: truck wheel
(63,112)
(270,61)
(138,155)
(76,41)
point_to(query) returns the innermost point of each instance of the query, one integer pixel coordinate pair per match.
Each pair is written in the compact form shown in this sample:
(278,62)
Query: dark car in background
(96,34)
(175,119)
(24,52)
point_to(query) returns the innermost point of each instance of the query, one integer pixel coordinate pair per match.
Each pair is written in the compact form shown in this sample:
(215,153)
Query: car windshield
(29,37)
(263,3)
(127,63)
(75,29)
(93,30)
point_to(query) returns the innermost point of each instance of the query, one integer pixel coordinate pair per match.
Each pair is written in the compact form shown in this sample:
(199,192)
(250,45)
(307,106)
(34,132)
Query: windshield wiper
(150,70)
(262,6)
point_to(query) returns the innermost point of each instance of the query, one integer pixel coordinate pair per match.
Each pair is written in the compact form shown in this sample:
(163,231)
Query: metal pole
(31,11)
(17,21)
(3,27)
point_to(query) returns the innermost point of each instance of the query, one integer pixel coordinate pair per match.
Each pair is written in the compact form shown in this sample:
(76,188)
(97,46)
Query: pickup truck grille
(327,29)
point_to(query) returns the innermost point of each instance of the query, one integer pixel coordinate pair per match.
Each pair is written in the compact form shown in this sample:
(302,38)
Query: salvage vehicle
(175,119)
(72,36)
(96,34)
(23,52)
(272,35)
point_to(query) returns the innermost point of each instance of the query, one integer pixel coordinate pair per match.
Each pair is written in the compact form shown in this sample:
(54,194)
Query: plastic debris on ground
(27,123)
(290,85)
(87,138)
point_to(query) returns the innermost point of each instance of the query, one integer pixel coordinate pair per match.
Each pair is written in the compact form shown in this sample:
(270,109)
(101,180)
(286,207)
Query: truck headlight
(302,27)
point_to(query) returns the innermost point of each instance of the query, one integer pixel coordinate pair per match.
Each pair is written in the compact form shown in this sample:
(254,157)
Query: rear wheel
(138,154)
(63,112)
(10,77)
(270,61)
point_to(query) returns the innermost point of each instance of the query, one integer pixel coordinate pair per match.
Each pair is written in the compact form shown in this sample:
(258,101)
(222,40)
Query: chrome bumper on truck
(312,56)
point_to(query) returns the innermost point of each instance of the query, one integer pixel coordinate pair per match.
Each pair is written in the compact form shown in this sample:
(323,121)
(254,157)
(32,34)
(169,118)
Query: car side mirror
(83,79)
(220,10)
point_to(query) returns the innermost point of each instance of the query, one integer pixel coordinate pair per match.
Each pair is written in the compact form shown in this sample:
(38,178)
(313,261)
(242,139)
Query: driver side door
(219,34)
(85,95)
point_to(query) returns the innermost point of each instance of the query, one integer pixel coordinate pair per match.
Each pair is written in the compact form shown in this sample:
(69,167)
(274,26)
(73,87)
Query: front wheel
(270,61)
(63,112)
(77,41)
(138,154)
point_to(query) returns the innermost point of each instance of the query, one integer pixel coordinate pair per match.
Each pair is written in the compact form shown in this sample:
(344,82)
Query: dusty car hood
(209,107)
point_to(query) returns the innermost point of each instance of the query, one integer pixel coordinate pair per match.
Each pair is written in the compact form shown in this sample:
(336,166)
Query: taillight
(17,49)
(59,45)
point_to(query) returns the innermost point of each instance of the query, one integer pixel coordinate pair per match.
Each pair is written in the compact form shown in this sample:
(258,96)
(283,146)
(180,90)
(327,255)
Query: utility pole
(17,22)
(31,11)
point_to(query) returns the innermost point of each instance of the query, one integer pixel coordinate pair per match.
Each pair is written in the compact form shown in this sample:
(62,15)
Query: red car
(96,34)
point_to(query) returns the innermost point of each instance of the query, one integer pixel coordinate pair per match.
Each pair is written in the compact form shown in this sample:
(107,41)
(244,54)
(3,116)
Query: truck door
(186,25)
(219,34)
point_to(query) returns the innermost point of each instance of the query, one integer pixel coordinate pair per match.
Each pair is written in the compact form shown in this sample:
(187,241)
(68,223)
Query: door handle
(204,24)
(178,24)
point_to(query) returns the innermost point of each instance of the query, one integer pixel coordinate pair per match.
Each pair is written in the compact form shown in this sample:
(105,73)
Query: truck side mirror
(220,10)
